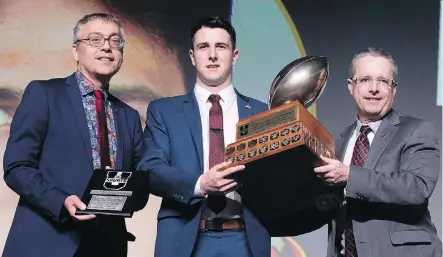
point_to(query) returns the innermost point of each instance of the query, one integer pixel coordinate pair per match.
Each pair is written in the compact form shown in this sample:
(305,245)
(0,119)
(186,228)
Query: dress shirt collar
(373,124)
(227,95)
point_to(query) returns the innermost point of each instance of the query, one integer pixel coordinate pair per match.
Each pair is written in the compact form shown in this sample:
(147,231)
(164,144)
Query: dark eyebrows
(8,94)
(216,44)
(9,100)
(115,34)
(202,44)
(222,44)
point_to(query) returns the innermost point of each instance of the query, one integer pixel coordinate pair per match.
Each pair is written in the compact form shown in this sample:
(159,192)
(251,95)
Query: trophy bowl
(301,80)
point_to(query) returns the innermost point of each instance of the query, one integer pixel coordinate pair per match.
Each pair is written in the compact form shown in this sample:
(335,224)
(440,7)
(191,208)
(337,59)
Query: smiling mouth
(109,59)
(372,99)
(212,66)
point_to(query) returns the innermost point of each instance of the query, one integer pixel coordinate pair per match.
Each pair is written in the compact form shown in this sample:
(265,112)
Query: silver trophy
(301,80)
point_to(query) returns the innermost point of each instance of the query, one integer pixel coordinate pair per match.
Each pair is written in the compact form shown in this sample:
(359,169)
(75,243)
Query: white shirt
(229,106)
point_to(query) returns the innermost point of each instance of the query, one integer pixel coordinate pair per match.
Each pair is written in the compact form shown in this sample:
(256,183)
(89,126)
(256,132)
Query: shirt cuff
(197,190)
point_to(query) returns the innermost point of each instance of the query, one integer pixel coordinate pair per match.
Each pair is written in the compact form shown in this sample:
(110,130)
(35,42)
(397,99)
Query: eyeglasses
(115,42)
(366,81)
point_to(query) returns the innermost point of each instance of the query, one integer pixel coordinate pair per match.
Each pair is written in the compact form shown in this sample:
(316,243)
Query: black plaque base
(115,192)
(282,185)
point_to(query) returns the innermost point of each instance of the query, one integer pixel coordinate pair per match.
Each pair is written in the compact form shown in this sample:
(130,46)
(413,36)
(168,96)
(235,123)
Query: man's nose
(373,86)
(212,53)
(107,45)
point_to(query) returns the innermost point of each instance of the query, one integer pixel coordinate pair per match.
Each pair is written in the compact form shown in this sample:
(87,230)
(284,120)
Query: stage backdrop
(37,37)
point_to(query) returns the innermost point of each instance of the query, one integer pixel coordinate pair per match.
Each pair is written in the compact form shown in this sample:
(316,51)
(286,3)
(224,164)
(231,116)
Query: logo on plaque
(244,130)
(116,180)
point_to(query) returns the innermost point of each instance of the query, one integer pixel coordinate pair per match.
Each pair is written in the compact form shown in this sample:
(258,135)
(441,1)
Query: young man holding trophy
(189,142)
(186,136)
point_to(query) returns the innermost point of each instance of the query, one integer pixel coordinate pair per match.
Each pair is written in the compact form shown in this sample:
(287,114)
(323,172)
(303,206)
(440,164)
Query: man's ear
(191,55)
(350,87)
(75,52)
(234,56)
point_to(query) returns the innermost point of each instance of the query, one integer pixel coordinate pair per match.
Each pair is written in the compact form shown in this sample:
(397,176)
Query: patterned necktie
(102,132)
(216,203)
(361,150)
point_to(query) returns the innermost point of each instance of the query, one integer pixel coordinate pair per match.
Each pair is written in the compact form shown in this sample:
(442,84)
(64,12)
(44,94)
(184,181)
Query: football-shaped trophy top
(302,80)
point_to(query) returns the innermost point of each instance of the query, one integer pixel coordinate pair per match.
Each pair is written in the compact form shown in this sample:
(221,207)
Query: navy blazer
(174,155)
(48,157)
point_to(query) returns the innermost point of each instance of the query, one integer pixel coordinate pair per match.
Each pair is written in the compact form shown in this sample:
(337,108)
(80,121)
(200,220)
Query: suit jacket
(48,157)
(388,197)
(174,154)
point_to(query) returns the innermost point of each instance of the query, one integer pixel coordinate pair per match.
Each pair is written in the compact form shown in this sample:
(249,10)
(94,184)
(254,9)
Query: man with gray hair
(62,130)
(388,166)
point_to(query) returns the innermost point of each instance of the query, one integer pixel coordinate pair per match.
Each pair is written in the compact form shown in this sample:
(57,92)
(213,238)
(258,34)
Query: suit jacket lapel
(119,118)
(244,108)
(384,135)
(192,114)
(340,148)
(75,100)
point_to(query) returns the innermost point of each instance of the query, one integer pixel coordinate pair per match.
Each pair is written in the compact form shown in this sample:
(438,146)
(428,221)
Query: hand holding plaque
(280,147)
(115,192)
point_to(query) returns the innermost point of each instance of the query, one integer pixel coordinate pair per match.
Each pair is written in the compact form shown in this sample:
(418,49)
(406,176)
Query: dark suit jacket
(388,197)
(48,157)
(174,155)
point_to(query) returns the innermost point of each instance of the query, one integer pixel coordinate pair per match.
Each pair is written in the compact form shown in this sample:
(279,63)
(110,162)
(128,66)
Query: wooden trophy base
(279,179)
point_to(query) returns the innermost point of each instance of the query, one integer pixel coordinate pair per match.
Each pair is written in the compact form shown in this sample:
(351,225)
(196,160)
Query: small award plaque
(115,192)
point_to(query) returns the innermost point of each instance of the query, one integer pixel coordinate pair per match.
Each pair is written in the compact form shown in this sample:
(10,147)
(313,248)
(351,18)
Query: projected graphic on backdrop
(260,54)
